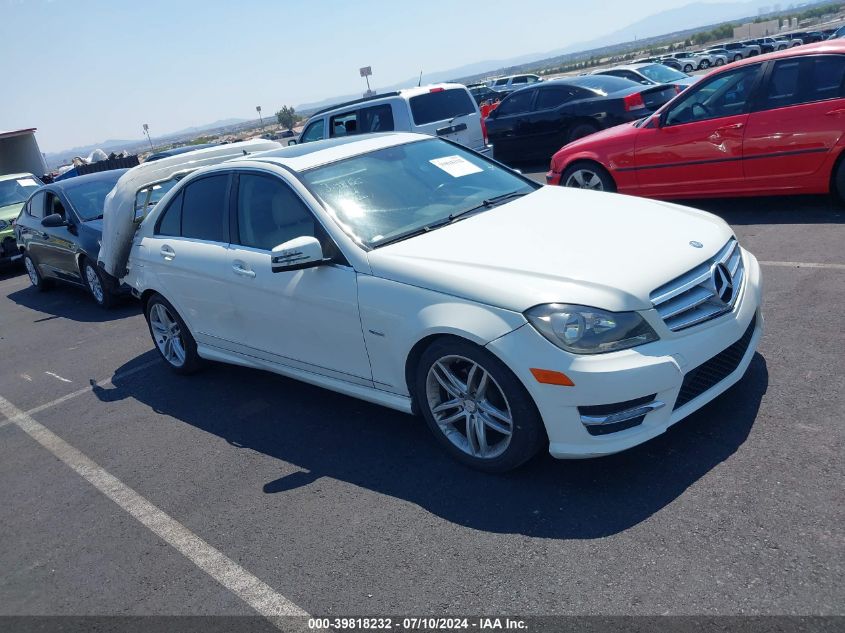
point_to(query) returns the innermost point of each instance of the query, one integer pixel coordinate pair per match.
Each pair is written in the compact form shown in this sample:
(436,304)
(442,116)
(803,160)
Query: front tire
(587,175)
(688,68)
(97,285)
(35,277)
(704,64)
(476,407)
(171,336)
(720,62)
(737,57)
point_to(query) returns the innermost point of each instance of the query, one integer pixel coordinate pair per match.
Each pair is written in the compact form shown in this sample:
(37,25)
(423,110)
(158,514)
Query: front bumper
(9,251)
(633,378)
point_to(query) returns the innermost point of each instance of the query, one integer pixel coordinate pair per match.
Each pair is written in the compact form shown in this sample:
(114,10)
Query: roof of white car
(307,155)
(15,176)
(625,67)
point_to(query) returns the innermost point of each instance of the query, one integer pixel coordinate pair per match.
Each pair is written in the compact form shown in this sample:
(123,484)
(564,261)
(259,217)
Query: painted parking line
(258,595)
(804,265)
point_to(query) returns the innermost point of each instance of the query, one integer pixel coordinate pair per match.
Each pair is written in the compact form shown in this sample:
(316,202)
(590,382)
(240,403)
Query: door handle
(733,126)
(167,252)
(838,112)
(238,269)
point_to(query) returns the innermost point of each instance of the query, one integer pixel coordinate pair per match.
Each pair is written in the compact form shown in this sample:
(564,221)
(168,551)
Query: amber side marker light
(549,377)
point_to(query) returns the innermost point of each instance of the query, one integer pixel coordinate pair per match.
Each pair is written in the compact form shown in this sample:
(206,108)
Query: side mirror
(292,142)
(297,254)
(53,220)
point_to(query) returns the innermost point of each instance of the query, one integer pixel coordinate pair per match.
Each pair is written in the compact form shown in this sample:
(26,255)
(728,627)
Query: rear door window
(553,96)
(205,209)
(344,124)
(376,119)
(441,105)
(805,80)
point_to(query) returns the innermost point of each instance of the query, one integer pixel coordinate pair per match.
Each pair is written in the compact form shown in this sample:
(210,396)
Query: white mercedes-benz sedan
(411,272)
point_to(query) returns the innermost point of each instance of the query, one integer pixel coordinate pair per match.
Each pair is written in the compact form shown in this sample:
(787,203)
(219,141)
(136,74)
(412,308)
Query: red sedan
(769,125)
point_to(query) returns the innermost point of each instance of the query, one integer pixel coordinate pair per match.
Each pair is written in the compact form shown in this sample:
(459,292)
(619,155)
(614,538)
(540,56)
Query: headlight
(585,330)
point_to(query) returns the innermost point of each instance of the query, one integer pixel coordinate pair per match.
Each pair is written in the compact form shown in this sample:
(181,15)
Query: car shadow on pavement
(330,435)
(70,302)
(771,210)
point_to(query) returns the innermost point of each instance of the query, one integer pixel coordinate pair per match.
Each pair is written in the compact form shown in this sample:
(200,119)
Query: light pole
(147,132)
(261,118)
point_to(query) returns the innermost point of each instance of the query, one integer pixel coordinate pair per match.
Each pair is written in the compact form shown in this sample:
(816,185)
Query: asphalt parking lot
(262,491)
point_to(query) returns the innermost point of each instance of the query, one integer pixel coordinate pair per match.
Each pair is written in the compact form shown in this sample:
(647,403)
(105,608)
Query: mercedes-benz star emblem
(695,244)
(723,284)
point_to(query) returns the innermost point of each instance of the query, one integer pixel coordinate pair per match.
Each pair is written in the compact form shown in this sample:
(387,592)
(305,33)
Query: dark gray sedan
(59,230)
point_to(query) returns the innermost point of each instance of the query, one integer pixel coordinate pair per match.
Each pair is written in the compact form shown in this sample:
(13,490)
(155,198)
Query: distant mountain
(208,126)
(116,145)
(697,15)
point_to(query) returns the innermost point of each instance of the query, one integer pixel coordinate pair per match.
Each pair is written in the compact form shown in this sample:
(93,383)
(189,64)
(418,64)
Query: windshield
(17,190)
(383,195)
(89,197)
(661,74)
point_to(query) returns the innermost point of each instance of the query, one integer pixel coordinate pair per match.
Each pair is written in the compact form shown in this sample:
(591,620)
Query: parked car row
(771,124)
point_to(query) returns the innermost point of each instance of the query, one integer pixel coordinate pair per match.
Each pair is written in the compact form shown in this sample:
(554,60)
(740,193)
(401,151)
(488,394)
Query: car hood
(96,226)
(558,245)
(11,211)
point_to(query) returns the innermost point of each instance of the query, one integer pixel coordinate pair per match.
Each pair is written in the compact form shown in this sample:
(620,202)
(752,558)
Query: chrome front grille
(703,293)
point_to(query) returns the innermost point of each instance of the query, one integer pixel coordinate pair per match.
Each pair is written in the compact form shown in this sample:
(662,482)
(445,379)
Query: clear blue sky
(83,71)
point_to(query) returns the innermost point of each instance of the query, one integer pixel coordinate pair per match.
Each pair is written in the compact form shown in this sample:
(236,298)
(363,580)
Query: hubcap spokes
(167,335)
(469,407)
(583,179)
(94,283)
(30,270)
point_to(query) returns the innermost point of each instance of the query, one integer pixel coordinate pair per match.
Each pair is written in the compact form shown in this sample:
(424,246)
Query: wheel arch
(837,163)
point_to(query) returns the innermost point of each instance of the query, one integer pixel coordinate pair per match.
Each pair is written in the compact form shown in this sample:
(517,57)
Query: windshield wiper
(489,203)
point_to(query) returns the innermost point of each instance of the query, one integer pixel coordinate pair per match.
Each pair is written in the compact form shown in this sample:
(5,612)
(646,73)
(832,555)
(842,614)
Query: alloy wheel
(167,335)
(584,179)
(94,283)
(30,270)
(469,407)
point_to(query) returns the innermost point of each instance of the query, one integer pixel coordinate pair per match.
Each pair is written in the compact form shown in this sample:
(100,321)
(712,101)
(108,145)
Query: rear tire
(35,277)
(688,68)
(580,131)
(720,62)
(588,175)
(737,57)
(476,407)
(704,64)
(171,336)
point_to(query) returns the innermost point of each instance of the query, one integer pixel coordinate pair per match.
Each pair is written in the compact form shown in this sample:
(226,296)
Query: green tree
(287,117)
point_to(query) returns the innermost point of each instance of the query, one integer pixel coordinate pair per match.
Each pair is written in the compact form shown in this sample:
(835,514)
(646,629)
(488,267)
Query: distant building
(753,30)
(19,152)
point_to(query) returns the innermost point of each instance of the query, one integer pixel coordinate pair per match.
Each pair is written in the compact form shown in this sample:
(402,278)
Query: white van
(444,110)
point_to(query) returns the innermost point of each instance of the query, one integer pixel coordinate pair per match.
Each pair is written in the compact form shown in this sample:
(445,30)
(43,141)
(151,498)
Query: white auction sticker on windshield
(27,182)
(455,166)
